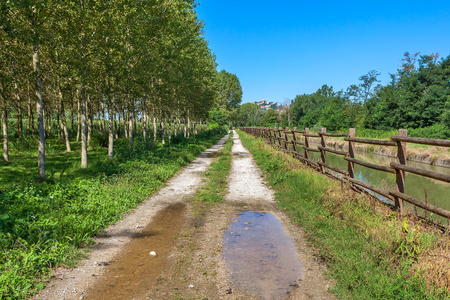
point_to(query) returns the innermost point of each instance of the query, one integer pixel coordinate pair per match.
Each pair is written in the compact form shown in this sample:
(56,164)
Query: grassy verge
(370,253)
(42,225)
(215,188)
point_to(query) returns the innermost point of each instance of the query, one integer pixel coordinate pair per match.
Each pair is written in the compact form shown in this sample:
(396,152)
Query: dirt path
(189,240)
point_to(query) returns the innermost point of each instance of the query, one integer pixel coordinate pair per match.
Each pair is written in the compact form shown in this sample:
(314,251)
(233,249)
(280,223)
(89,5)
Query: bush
(437,131)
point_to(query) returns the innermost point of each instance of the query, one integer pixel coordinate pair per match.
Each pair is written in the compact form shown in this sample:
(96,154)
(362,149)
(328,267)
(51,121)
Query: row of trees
(418,96)
(114,61)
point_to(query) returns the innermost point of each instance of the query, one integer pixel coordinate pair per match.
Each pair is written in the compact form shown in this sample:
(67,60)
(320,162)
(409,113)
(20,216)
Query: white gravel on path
(246,181)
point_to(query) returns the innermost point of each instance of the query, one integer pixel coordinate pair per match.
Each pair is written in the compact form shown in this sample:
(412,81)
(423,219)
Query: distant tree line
(417,97)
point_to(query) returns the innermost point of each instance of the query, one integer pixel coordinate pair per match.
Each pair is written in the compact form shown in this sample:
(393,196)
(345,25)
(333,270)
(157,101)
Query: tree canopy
(117,61)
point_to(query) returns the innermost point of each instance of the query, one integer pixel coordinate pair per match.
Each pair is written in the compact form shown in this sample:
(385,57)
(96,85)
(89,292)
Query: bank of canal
(434,191)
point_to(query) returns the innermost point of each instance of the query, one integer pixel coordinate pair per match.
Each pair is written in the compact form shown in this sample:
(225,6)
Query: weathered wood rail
(282,138)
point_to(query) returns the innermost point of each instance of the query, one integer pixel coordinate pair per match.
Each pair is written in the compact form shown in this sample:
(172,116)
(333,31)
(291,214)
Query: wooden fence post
(294,140)
(306,143)
(400,174)
(322,152)
(286,139)
(279,136)
(351,153)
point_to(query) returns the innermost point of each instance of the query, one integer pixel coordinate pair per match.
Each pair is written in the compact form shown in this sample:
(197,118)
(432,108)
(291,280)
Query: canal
(426,189)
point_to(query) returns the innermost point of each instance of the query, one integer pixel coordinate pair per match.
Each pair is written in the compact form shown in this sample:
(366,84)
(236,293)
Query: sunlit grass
(43,224)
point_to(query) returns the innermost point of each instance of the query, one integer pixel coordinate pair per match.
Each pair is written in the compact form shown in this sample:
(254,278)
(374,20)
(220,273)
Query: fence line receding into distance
(282,138)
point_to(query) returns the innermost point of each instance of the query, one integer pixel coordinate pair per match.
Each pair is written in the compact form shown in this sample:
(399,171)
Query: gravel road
(172,248)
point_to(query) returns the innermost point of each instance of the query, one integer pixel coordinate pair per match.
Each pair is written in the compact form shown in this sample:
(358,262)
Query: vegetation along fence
(297,143)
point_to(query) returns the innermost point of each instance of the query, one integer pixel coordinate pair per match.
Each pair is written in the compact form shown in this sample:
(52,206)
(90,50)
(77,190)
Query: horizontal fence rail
(282,138)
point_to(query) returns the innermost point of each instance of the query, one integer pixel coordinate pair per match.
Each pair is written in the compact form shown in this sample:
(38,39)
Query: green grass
(42,225)
(369,255)
(215,189)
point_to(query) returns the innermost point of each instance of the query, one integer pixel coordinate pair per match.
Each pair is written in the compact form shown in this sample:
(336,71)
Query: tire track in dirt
(191,264)
(198,269)
(74,283)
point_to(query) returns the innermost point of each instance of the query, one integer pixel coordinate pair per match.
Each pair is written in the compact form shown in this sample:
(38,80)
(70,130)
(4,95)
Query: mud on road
(188,240)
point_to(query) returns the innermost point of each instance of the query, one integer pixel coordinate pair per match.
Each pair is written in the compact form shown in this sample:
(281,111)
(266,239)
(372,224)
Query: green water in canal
(436,192)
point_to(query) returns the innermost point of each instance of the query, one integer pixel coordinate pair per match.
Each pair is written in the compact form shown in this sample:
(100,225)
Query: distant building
(265,105)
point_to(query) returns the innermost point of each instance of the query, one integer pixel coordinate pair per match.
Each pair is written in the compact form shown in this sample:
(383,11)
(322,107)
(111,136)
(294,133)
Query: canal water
(426,189)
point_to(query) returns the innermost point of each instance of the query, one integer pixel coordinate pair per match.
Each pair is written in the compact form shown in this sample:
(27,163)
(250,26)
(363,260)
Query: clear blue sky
(280,49)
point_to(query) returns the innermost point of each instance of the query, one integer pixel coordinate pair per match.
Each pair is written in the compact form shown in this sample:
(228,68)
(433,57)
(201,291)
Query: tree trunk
(39,102)
(130,127)
(125,124)
(78,119)
(111,131)
(30,115)
(104,120)
(58,123)
(19,123)
(144,126)
(170,128)
(163,129)
(83,124)
(189,126)
(5,133)
(89,116)
(154,128)
(19,115)
(117,123)
(71,120)
(185,128)
(63,121)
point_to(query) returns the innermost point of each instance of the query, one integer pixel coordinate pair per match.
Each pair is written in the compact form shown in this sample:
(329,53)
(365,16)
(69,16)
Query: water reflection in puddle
(241,154)
(261,256)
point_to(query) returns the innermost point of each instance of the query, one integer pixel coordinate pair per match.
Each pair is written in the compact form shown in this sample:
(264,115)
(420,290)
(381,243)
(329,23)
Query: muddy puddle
(135,270)
(261,257)
(240,154)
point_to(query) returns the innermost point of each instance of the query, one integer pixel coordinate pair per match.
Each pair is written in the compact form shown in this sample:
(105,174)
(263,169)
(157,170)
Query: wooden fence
(301,150)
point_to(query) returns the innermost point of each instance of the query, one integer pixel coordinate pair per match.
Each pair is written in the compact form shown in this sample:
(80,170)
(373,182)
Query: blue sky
(280,49)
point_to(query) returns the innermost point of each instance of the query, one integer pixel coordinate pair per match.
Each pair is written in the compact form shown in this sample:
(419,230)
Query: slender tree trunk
(30,120)
(58,122)
(19,114)
(176,123)
(163,129)
(144,126)
(89,116)
(78,118)
(155,135)
(104,120)
(111,130)
(125,123)
(84,142)
(30,114)
(185,128)
(5,133)
(71,119)
(130,126)
(189,126)
(19,123)
(117,123)
(170,128)
(63,121)
(39,102)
